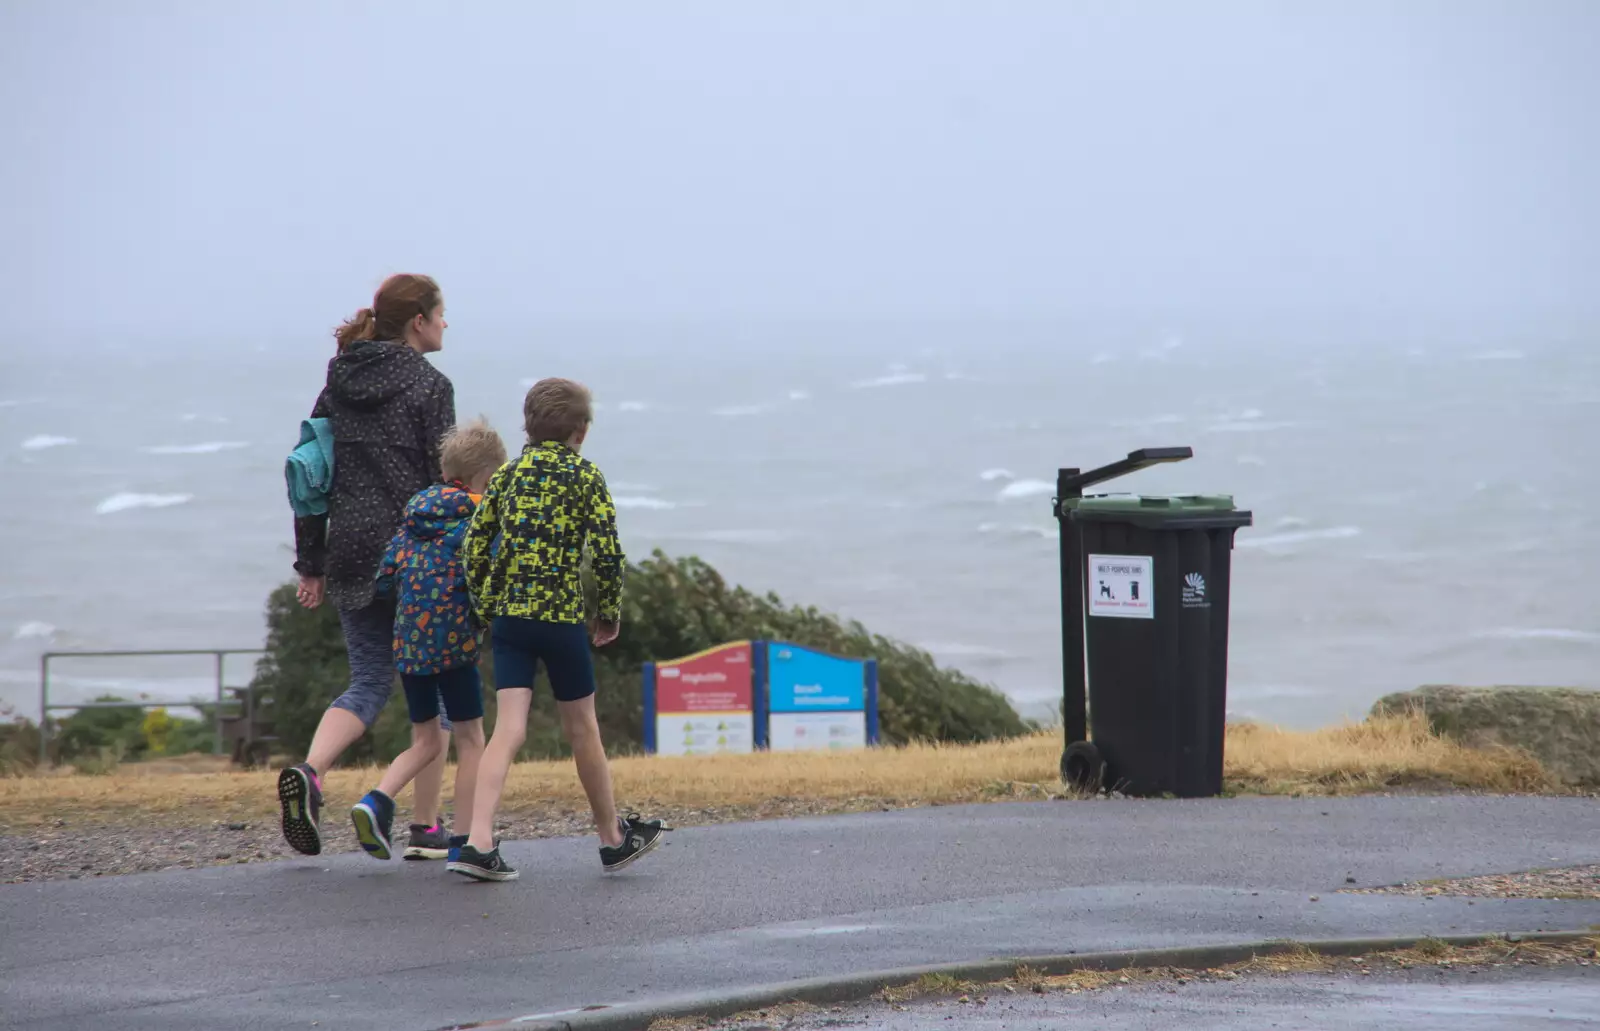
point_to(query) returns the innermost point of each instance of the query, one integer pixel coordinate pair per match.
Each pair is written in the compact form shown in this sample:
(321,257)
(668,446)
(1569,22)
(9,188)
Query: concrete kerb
(827,991)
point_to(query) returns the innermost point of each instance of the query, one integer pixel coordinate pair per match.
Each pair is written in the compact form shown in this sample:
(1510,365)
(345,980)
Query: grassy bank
(1392,753)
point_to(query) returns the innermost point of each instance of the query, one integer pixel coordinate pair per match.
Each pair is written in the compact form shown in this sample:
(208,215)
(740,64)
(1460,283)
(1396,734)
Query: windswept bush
(672,607)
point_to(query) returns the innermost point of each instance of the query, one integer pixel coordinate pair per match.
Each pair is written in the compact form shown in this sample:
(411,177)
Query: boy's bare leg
(582,731)
(337,730)
(425,753)
(469,760)
(425,807)
(510,730)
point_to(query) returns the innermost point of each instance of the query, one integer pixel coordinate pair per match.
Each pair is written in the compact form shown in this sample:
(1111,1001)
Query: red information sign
(716,680)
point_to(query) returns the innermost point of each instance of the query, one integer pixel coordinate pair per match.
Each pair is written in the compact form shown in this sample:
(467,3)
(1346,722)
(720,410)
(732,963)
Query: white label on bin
(1120,586)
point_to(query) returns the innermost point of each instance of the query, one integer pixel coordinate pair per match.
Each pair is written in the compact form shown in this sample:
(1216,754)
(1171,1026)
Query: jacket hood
(371,373)
(437,511)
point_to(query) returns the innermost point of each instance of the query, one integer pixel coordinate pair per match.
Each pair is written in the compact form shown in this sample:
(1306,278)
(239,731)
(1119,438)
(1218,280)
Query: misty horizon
(187,172)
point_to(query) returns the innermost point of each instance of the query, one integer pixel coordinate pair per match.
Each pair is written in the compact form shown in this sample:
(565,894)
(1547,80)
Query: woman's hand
(312,589)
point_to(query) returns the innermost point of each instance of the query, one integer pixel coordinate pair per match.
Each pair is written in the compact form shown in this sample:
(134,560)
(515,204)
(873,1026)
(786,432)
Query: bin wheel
(1082,767)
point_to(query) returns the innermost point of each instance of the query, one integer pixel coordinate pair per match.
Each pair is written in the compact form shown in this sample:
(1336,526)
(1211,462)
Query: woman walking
(389,408)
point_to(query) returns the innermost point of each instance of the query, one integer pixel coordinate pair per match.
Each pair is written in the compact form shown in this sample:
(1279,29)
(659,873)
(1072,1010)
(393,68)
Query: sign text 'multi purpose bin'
(1144,593)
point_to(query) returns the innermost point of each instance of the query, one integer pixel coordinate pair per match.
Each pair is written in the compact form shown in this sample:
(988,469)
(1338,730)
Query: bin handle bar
(1070,482)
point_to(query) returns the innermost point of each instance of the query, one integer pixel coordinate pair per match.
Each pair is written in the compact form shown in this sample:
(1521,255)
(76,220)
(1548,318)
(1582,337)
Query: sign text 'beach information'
(817,701)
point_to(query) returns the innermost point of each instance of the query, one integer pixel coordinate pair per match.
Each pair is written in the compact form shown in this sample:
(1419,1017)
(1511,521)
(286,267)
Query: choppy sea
(1423,514)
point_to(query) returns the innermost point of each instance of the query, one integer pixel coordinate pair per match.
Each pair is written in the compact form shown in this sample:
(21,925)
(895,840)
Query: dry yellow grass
(1374,755)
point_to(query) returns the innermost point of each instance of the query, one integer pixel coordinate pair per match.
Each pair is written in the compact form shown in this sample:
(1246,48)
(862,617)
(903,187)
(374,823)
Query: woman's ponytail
(363,325)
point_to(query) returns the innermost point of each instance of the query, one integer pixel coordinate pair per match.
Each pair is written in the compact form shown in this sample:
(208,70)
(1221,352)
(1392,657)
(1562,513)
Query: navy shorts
(520,645)
(460,689)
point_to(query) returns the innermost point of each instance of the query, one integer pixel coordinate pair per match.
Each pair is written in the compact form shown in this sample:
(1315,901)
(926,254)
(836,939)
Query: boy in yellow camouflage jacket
(524,555)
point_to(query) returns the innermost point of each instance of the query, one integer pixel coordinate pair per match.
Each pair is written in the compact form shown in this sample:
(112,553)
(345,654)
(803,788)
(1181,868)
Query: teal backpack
(309,469)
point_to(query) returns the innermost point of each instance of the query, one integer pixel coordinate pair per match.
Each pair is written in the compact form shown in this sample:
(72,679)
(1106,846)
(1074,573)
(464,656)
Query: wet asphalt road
(354,944)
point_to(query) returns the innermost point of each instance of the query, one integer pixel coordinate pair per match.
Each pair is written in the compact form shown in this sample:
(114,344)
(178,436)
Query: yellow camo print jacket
(524,550)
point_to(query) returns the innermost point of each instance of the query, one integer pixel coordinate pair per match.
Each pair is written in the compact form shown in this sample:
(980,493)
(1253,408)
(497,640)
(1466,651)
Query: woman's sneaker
(301,802)
(374,818)
(428,842)
(638,837)
(482,866)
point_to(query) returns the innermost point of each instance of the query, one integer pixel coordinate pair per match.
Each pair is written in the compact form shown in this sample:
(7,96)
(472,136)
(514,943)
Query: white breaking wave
(45,440)
(636,501)
(1103,358)
(799,395)
(739,411)
(124,502)
(989,475)
(34,631)
(1282,540)
(1505,355)
(210,447)
(1251,460)
(1025,489)
(893,379)
(1542,634)
(632,406)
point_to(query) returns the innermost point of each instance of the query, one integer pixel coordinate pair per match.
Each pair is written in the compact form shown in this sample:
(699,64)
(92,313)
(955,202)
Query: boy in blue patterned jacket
(436,634)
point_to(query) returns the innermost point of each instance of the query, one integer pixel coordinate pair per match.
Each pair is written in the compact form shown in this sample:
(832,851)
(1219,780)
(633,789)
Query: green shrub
(189,736)
(19,746)
(99,734)
(675,607)
(672,607)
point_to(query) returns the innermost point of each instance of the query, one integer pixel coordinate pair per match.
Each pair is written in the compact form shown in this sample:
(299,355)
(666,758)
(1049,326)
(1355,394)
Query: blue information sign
(801,680)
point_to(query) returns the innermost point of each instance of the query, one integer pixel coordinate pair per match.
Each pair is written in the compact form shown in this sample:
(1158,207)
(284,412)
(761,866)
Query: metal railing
(45,707)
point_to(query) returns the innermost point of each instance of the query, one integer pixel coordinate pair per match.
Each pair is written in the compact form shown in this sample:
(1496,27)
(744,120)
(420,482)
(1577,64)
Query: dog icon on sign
(1105,591)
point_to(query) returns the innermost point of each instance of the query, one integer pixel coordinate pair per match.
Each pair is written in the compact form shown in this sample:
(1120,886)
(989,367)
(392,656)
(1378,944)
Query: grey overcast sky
(195,166)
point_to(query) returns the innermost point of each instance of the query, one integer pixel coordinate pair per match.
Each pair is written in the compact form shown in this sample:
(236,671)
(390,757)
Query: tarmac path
(346,942)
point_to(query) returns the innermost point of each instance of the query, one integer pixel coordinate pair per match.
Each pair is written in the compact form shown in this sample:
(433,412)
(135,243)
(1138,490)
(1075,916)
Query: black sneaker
(374,818)
(428,842)
(638,837)
(482,866)
(301,802)
(458,840)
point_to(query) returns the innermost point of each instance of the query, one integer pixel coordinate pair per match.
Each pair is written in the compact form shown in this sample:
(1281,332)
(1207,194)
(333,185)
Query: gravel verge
(1568,882)
(75,850)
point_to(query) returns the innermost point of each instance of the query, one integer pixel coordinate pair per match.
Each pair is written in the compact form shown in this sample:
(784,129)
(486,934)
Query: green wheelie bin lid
(1176,510)
(1175,503)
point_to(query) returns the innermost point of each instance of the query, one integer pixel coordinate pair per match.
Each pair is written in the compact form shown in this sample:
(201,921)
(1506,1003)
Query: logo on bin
(1194,592)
